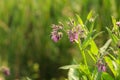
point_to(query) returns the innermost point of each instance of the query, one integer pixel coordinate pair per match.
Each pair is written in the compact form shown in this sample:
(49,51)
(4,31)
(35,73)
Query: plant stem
(83,54)
(85,61)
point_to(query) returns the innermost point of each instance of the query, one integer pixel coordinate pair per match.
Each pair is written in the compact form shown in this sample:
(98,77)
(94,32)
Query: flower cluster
(101,66)
(56,34)
(74,33)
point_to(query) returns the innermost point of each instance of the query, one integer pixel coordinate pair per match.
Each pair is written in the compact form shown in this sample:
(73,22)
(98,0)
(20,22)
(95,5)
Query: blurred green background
(25,27)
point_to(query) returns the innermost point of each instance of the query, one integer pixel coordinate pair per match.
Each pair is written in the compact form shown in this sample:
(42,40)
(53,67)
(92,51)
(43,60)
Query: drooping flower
(101,66)
(75,33)
(56,34)
(5,71)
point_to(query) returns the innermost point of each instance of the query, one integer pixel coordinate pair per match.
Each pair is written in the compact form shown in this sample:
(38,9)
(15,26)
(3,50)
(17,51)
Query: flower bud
(118,23)
(5,71)
(101,66)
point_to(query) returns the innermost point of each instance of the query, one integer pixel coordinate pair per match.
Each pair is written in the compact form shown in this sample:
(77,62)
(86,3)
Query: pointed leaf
(80,20)
(69,66)
(113,37)
(114,23)
(106,76)
(111,66)
(73,74)
(90,14)
(94,48)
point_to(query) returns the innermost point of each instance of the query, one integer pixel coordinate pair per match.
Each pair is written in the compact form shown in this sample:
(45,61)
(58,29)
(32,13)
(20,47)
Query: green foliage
(111,65)
(106,76)
(82,70)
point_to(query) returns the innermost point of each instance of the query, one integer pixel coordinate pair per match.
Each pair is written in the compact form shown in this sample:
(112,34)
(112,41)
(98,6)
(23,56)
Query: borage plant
(105,63)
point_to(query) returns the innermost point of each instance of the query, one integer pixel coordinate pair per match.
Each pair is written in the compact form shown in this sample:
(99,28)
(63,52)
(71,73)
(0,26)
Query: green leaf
(90,41)
(98,77)
(93,58)
(70,66)
(97,34)
(111,66)
(82,24)
(114,23)
(80,20)
(87,40)
(27,78)
(73,74)
(83,68)
(106,45)
(90,14)
(94,48)
(84,77)
(106,76)
(113,37)
(112,57)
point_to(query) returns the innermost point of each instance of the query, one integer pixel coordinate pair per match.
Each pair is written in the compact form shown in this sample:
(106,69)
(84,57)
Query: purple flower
(73,35)
(55,34)
(55,38)
(101,67)
(6,71)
